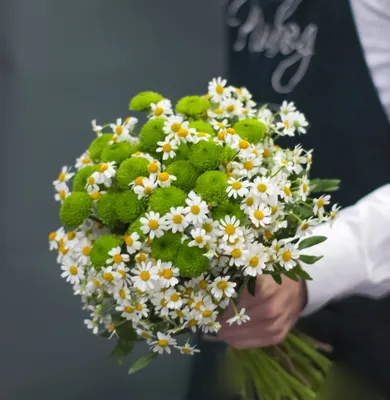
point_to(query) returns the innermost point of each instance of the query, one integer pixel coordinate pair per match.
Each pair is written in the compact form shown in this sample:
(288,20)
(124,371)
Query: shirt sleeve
(356,254)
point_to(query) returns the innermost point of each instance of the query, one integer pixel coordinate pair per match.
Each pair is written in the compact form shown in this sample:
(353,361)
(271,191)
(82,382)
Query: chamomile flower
(298,159)
(167,147)
(319,204)
(230,228)
(62,192)
(120,130)
(153,225)
(239,318)
(306,227)
(334,213)
(184,135)
(220,125)
(248,166)
(287,108)
(154,167)
(96,128)
(263,187)
(105,173)
(217,89)
(256,262)
(260,215)
(162,109)
(286,125)
(237,187)
(91,185)
(110,276)
(187,349)
(160,303)
(232,107)
(83,250)
(141,308)
(175,220)
(64,176)
(248,202)
(123,271)
(121,294)
(144,276)
(300,122)
(237,252)
(162,343)
(168,274)
(208,313)
(222,287)
(117,257)
(199,136)
(197,208)
(164,179)
(286,193)
(93,325)
(83,160)
(173,124)
(304,188)
(173,298)
(287,256)
(265,116)
(132,242)
(55,237)
(145,334)
(73,272)
(128,311)
(200,238)
(144,187)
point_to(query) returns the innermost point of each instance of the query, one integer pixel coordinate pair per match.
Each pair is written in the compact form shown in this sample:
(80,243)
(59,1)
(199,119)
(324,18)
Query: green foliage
(206,155)
(311,241)
(185,173)
(193,106)
(143,362)
(163,199)
(191,261)
(128,207)
(101,247)
(136,227)
(152,133)
(211,186)
(250,129)
(201,126)
(143,100)
(228,208)
(228,154)
(127,337)
(324,185)
(309,259)
(167,246)
(131,169)
(106,210)
(181,154)
(118,152)
(98,145)
(75,209)
(81,177)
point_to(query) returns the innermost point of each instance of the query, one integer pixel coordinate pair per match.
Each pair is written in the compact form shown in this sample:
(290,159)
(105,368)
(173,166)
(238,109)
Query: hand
(273,312)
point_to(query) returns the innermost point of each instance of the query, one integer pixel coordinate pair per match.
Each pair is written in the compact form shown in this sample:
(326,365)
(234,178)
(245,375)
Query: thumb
(265,286)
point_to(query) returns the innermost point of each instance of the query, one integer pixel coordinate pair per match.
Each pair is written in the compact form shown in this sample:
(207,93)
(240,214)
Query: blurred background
(63,63)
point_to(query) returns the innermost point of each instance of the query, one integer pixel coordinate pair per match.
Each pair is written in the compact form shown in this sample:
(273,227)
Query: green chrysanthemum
(193,106)
(206,155)
(101,247)
(118,152)
(143,100)
(250,129)
(152,133)
(186,174)
(191,261)
(228,208)
(106,210)
(228,154)
(128,207)
(136,227)
(81,177)
(98,145)
(163,199)
(131,169)
(211,186)
(181,154)
(75,209)
(166,247)
(201,126)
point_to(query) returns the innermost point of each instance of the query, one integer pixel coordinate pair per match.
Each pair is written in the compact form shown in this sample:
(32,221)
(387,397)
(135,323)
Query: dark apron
(308,51)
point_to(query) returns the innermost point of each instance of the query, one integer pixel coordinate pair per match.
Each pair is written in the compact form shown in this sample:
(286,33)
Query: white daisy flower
(117,257)
(178,315)
(319,204)
(141,308)
(83,251)
(230,228)
(83,160)
(128,311)
(62,192)
(265,116)
(164,179)
(64,176)
(130,123)
(173,124)
(145,276)
(154,167)
(93,325)
(210,226)
(287,108)
(217,89)
(188,349)
(144,187)
(222,287)
(160,303)
(260,215)
(211,327)
(145,334)
(183,135)
(122,294)
(232,107)
(248,167)
(287,256)
(304,188)
(286,125)
(334,213)
(168,274)
(248,202)
(120,130)
(239,318)
(162,109)
(200,238)
(257,260)
(123,272)
(263,187)
(306,227)
(237,252)
(55,237)
(197,208)
(132,242)
(208,313)
(298,159)
(153,225)
(220,125)
(96,128)
(167,147)
(286,194)
(199,136)
(162,343)
(105,173)
(91,184)
(237,187)
(175,220)
(300,122)
(110,276)
(173,298)
(73,272)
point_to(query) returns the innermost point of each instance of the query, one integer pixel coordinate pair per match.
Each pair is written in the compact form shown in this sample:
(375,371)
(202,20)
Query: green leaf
(252,286)
(299,271)
(324,185)
(291,274)
(122,348)
(311,241)
(143,362)
(277,279)
(126,331)
(309,259)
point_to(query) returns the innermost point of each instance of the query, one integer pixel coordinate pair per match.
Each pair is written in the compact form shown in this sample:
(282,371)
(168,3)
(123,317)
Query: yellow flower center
(222,285)
(207,227)
(320,203)
(91,180)
(177,219)
(231,131)
(230,229)
(250,201)
(203,284)
(218,111)
(103,167)
(127,120)
(117,258)
(167,273)
(192,322)
(52,236)
(268,235)
(86,251)
(287,191)
(221,125)
(163,177)
(129,310)
(158,111)
(182,132)
(274,209)
(73,270)
(245,110)
(62,176)
(174,297)
(254,262)
(129,240)
(243,144)
(201,134)
(96,195)
(230,108)
(305,188)
(97,283)
(175,127)
(304,226)
(199,239)
(122,294)
(145,335)
(267,152)
(163,302)
(108,276)
(62,194)
(287,256)
(221,135)
(195,209)
(166,147)
(152,168)
(286,124)
(139,307)
(144,275)
(248,165)
(259,215)
(153,224)
(237,185)
(139,180)
(141,257)
(207,313)
(163,343)
(219,89)
(119,130)
(239,90)
(148,190)
(63,250)
(229,174)
(262,187)
(111,327)
(236,253)
(85,160)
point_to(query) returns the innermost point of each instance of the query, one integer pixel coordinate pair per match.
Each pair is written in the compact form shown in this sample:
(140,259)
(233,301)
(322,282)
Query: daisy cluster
(167,224)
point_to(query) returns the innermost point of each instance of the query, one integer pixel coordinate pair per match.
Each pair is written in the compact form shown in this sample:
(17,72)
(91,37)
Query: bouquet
(168,223)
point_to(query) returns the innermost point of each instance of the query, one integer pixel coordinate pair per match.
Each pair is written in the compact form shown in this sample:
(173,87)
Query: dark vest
(309,52)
